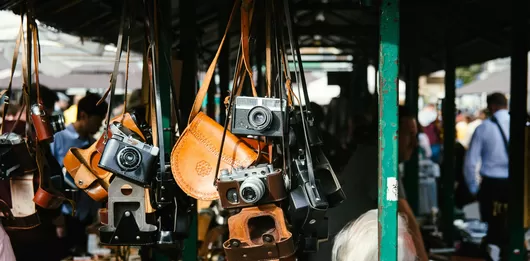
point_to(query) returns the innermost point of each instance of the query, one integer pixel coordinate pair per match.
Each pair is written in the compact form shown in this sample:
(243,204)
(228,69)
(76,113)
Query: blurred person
(63,103)
(360,184)
(489,146)
(135,100)
(357,241)
(79,135)
(70,114)
(472,126)
(15,113)
(429,120)
(461,126)
(429,171)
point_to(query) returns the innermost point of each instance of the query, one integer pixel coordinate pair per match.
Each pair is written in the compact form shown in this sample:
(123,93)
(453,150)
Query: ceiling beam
(340,30)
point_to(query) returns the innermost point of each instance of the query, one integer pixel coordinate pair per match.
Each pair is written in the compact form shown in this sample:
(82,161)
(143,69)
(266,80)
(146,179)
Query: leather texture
(82,164)
(251,236)
(194,157)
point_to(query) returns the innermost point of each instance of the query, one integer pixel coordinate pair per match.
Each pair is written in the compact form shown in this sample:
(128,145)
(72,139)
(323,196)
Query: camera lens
(57,122)
(260,118)
(252,190)
(129,158)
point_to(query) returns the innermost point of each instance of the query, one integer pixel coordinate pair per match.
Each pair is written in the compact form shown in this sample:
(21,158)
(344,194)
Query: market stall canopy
(496,82)
(67,61)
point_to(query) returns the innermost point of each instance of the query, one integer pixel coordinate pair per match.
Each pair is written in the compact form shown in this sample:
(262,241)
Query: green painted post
(388,129)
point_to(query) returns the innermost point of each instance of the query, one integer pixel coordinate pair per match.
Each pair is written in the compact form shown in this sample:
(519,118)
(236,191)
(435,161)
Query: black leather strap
(504,139)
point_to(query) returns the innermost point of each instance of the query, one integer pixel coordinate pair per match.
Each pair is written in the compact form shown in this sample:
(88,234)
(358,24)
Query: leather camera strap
(247,10)
(7,92)
(268,51)
(112,88)
(126,75)
(201,94)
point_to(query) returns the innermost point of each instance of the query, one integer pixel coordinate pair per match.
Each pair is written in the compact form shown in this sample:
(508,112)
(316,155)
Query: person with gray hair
(358,240)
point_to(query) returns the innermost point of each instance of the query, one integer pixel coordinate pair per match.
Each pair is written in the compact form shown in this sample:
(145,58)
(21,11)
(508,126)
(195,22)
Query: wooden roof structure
(479,30)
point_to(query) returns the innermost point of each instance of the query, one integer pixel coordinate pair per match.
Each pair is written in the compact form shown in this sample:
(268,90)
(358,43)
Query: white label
(391,189)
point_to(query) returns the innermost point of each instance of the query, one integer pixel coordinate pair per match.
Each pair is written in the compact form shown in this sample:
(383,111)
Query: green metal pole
(388,129)
(518,109)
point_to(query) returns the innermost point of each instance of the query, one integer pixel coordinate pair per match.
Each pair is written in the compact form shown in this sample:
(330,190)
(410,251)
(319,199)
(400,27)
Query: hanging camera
(127,156)
(14,156)
(258,116)
(57,122)
(251,186)
(41,123)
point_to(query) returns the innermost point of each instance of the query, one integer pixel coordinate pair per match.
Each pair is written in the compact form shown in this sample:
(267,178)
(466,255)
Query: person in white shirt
(489,146)
(6,250)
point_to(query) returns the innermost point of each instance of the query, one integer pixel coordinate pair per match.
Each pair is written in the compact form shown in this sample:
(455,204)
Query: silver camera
(126,155)
(259,116)
(250,186)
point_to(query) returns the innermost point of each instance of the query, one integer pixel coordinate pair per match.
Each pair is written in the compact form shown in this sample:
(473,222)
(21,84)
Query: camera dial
(252,190)
(260,118)
(129,158)
(231,196)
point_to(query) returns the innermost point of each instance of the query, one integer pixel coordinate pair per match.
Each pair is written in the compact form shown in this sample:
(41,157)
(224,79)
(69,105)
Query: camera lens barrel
(129,158)
(260,118)
(252,190)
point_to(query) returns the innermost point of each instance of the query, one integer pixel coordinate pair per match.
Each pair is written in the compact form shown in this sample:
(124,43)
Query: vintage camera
(307,208)
(259,116)
(57,122)
(15,157)
(330,185)
(251,186)
(41,123)
(126,155)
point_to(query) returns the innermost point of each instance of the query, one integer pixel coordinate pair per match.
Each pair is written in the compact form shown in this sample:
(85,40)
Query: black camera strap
(159,129)
(228,112)
(300,78)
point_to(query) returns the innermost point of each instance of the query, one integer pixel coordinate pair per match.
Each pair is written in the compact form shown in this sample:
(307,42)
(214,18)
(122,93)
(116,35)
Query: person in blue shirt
(79,134)
(489,148)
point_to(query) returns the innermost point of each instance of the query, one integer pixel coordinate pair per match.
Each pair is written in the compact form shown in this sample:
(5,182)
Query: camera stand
(126,216)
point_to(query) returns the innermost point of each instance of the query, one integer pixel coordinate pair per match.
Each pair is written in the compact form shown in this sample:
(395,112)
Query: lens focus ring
(252,190)
(260,118)
(129,158)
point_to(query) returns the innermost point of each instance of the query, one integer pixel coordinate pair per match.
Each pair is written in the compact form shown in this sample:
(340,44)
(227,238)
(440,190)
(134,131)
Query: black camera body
(15,157)
(128,156)
(307,208)
(331,187)
(258,116)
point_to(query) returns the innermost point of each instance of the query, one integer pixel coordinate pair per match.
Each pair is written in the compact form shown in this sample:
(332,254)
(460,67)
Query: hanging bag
(194,156)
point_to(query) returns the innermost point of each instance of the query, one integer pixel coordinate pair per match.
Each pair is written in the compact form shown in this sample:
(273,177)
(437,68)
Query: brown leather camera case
(194,157)
(82,165)
(250,242)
